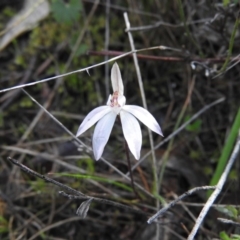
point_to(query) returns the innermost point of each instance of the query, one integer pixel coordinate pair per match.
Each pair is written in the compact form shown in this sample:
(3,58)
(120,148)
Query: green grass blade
(228,147)
(96,178)
(231,43)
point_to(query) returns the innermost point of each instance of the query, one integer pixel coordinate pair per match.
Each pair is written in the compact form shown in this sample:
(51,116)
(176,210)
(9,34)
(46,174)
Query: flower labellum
(105,117)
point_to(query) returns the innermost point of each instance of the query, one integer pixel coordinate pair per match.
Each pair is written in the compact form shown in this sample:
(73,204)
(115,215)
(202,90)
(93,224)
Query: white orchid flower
(106,115)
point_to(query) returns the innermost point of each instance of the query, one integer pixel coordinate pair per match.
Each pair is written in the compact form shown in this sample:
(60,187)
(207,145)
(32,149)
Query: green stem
(130,169)
(183,19)
(230,45)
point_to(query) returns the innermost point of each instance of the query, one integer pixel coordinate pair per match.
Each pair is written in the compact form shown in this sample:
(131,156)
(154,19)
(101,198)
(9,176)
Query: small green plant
(227,2)
(195,126)
(233,213)
(224,236)
(38,185)
(229,211)
(3,225)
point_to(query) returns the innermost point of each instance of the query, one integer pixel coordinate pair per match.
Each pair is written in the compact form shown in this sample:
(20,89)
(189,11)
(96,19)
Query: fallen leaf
(25,20)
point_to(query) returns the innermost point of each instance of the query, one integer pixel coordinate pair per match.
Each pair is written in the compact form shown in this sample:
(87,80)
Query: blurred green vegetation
(66,12)
(224,236)
(3,225)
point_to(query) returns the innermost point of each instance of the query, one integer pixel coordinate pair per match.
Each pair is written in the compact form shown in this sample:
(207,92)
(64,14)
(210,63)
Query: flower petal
(109,100)
(102,132)
(132,133)
(145,117)
(92,118)
(116,79)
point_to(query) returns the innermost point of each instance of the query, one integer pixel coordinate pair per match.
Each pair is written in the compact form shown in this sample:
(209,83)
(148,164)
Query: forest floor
(189,67)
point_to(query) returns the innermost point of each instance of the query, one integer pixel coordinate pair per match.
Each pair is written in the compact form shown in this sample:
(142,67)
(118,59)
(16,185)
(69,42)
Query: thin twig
(228,221)
(119,55)
(47,179)
(77,194)
(140,56)
(171,204)
(216,192)
(166,24)
(105,201)
(236,61)
(140,83)
(166,58)
(84,69)
(106,45)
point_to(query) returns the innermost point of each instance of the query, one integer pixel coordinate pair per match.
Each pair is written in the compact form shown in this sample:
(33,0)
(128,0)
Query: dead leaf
(25,20)
(84,207)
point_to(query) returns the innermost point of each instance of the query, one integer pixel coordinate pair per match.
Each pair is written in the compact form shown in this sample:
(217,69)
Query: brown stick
(164,58)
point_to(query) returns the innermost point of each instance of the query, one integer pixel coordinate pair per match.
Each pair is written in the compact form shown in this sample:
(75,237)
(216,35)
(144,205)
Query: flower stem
(129,164)
(130,169)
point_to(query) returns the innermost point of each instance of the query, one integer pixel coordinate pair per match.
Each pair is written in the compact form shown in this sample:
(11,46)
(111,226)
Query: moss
(48,34)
